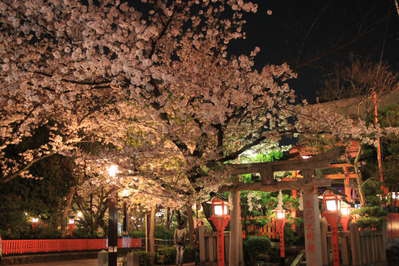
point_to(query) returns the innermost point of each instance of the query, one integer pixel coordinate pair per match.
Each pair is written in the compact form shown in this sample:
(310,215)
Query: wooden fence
(357,247)
(24,246)
(208,246)
(269,229)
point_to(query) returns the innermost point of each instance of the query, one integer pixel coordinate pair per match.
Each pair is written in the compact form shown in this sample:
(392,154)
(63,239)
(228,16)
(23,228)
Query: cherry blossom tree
(82,70)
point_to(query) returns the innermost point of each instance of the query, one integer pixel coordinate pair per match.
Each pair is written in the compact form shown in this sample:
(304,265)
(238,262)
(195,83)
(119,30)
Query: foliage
(370,216)
(257,203)
(151,79)
(144,257)
(372,189)
(166,255)
(255,247)
(163,233)
(138,234)
(41,198)
(290,236)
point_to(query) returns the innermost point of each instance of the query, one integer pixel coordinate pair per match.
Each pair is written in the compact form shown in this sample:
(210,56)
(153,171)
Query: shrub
(144,258)
(189,254)
(137,234)
(163,233)
(291,237)
(166,255)
(255,247)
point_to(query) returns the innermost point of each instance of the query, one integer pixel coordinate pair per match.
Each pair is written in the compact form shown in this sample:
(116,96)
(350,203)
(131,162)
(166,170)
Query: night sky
(315,35)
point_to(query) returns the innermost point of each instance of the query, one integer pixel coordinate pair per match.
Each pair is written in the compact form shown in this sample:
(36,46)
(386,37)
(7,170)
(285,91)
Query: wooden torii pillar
(308,185)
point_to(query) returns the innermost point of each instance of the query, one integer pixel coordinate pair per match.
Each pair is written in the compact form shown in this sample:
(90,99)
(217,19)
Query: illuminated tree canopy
(150,82)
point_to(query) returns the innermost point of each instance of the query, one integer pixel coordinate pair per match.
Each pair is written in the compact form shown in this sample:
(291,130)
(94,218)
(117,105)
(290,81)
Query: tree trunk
(151,232)
(67,209)
(168,218)
(359,177)
(379,150)
(189,212)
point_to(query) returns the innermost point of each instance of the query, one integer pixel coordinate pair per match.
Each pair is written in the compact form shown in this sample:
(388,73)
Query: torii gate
(308,185)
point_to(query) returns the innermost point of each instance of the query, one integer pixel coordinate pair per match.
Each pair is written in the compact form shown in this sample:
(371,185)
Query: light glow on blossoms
(113,170)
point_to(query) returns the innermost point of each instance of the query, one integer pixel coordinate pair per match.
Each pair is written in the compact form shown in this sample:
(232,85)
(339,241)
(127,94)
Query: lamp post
(125,195)
(220,218)
(331,208)
(113,221)
(345,215)
(280,215)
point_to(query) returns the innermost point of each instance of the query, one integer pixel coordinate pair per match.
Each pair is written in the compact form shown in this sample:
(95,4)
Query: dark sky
(315,35)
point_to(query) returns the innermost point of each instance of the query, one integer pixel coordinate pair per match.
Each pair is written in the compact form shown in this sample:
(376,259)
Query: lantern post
(280,215)
(220,218)
(113,221)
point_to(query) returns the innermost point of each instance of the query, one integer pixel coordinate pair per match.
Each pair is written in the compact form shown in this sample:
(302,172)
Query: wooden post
(235,250)
(201,236)
(355,244)
(211,247)
(323,230)
(311,220)
(344,248)
(151,237)
(383,243)
(147,231)
(347,186)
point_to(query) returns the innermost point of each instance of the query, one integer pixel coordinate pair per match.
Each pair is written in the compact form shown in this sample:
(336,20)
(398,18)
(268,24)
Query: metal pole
(125,218)
(113,231)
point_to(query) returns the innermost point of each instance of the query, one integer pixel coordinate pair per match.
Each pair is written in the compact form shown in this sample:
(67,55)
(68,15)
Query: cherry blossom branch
(11,176)
(79,82)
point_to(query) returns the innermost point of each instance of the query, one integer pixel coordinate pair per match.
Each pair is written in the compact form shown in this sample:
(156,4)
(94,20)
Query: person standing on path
(200,224)
(180,236)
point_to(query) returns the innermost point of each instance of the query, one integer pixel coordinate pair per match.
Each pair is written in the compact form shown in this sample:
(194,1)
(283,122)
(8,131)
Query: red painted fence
(22,246)
(269,229)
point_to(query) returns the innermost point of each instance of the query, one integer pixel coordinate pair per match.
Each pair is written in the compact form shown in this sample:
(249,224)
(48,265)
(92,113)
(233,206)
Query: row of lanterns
(334,210)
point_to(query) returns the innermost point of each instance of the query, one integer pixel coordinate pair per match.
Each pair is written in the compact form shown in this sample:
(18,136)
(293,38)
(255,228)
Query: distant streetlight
(34,221)
(113,221)
(331,207)
(220,218)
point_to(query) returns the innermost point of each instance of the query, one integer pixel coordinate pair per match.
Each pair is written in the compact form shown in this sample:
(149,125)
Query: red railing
(269,229)
(22,246)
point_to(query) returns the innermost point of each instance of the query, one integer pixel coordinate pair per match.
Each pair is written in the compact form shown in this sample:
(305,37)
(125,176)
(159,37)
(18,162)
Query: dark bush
(163,233)
(137,234)
(144,258)
(167,255)
(256,247)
